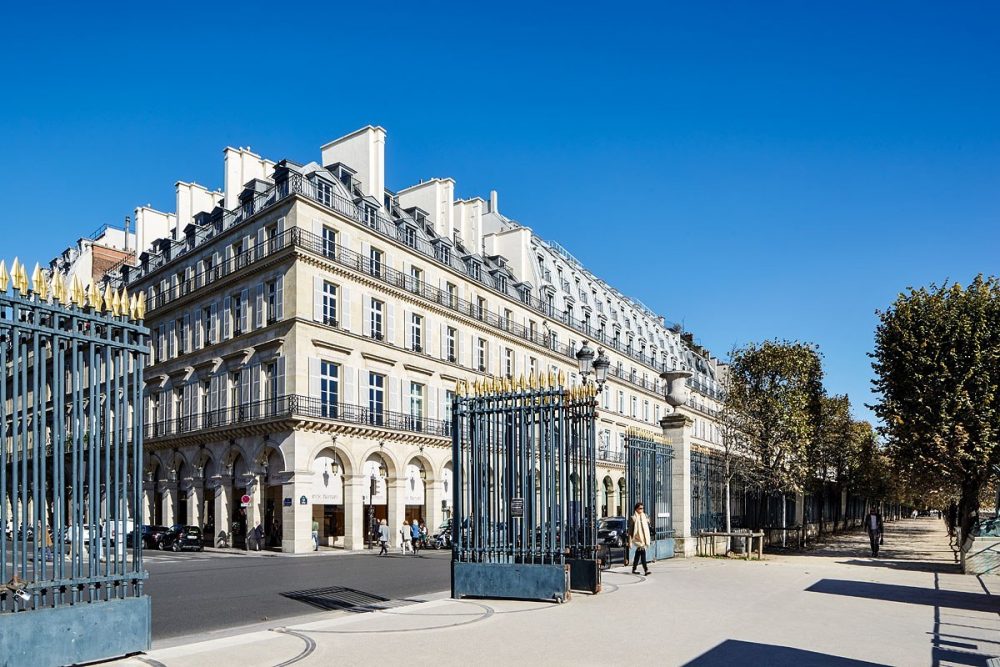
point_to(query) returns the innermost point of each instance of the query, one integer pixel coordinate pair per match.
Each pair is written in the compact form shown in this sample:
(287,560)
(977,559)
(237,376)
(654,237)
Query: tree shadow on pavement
(908,594)
(735,652)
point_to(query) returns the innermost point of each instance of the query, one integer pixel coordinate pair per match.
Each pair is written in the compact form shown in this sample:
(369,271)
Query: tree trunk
(729,513)
(968,511)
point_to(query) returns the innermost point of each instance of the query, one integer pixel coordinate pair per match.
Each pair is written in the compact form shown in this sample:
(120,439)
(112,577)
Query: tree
(937,367)
(774,392)
(832,449)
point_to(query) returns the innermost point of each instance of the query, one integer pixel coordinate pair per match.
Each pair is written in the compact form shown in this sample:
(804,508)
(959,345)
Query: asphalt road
(196,593)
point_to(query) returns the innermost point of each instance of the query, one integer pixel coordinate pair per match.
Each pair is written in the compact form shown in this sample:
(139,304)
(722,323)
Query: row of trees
(782,432)
(937,376)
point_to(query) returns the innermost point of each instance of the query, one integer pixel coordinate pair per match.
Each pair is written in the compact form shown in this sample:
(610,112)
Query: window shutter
(215,324)
(395,392)
(244,309)
(366,316)
(258,306)
(244,386)
(318,298)
(281,374)
(196,331)
(318,228)
(255,396)
(314,370)
(281,225)
(279,297)
(407,340)
(350,395)
(444,340)
(344,307)
(432,406)
(261,238)
(187,331)
(390,320)
(227,309)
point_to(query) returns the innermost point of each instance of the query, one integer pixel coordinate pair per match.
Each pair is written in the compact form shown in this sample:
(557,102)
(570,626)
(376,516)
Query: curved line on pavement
(639,578)
(150,661)
(489,611)
(310,646)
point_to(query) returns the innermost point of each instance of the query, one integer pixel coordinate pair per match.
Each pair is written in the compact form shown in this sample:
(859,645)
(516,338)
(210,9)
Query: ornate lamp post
(589,364)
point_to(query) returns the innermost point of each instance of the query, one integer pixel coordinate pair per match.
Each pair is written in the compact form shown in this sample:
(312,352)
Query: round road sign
(245,499)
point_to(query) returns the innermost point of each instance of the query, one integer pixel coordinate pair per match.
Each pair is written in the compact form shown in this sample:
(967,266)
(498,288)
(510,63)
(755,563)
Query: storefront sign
(328,483)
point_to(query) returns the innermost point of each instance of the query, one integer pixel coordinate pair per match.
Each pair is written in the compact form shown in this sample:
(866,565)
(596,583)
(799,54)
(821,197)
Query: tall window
(480,308)
(532,365)
(452,295)
(375,257)
(271,387)
(376,398)
(507,316)
(482,355)
(416,332)
(234,394)
(329,241)
(416,279)
(410,236)
(377,319)
(417,404)
(182,335)
(508,362)
(324,192)
(236,313)
(205,386)
(635,412)
(329,303)
(452,344)
(329,388)
(621,402)
(272,300)
(449,398)
(206,325)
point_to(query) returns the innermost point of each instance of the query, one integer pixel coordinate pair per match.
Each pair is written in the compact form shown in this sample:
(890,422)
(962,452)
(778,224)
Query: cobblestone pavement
(831,606)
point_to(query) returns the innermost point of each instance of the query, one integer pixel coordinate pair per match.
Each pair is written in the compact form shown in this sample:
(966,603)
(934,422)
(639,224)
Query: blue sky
(753,170)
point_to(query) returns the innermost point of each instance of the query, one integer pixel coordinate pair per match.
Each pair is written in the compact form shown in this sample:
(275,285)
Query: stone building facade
(309,330)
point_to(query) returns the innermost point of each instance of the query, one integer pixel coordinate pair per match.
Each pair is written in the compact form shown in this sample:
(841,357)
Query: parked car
(611,530)
(81,533)
(150,535)
(182,538)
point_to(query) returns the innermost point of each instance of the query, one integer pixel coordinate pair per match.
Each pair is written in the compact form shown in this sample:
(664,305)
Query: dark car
(150,536)
(611,530)
(181,538)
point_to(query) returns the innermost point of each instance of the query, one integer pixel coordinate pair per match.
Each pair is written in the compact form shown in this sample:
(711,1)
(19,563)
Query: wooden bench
(750,536)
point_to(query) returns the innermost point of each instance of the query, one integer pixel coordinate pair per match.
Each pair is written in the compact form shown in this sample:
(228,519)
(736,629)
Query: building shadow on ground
(908,594)
(930,566)
(735,652)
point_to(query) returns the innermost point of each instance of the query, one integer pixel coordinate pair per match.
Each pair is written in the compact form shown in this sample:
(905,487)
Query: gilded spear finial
(140,306)
(109,299)
(533,380)
(76,293)
(56,285)
(4,277)
(94,298)
(39,283)
(18,274)
(562,378)
(124,303)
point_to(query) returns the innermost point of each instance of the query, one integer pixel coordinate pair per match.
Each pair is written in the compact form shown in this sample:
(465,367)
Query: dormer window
(502,283)
(443,254)
(324,192)
(475,270)
(369,214)
(409,236)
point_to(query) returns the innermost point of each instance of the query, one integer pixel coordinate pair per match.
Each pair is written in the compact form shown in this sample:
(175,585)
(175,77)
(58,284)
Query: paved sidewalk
(832,606)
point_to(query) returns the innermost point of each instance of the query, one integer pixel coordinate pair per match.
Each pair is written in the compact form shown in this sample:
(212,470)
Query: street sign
(288,502)
(245,500)
(517,508)
(244,504)
(303,500)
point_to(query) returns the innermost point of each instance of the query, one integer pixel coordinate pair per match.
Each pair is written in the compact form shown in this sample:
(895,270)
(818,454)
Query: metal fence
(525,488)
(70,471)
(649,479)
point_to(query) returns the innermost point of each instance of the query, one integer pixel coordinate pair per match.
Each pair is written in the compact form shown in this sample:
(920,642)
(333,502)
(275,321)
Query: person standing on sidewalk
(873,524)
(638,534)
(405,537)
(383,538)
(415,535)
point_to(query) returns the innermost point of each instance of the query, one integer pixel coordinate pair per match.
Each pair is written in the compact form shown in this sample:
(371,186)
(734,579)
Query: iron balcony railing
(300,185)
(611,455)
(293,405)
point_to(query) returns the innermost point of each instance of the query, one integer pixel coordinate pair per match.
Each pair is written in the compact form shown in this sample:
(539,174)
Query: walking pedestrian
(638,533)
(405,536)
(315,535)
(415,535)
(383,538)
(873,524)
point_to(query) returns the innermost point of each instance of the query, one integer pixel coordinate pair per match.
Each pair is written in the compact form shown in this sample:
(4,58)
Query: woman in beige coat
(638,534)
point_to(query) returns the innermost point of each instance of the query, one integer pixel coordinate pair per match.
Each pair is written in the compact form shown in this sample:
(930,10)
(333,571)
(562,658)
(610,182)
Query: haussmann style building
(309,326)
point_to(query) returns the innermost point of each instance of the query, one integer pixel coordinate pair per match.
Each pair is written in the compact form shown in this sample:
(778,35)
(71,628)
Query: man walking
(415,535)
(383,538)
(873,524)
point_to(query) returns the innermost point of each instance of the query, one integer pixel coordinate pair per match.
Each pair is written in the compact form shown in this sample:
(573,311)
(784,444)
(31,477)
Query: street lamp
(588,364)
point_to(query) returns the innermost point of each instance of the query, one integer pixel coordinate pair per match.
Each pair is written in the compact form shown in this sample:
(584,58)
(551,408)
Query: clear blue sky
(754,170)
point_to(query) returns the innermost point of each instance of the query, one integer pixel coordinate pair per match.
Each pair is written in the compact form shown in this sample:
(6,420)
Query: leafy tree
(937,366)
(773,400)
(832,449)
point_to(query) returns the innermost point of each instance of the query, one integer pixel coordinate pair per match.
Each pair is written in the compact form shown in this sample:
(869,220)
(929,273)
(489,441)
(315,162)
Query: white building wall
(363,151)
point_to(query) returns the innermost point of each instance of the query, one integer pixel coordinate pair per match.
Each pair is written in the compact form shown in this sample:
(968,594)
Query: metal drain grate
(340,598)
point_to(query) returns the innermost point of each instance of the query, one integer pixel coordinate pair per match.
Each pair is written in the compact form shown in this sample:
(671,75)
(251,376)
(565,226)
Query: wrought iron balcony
(293,406)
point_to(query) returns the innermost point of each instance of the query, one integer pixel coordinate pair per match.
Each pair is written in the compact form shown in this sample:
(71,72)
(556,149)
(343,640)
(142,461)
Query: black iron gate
(525,489)
(70,471)
(648,475)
